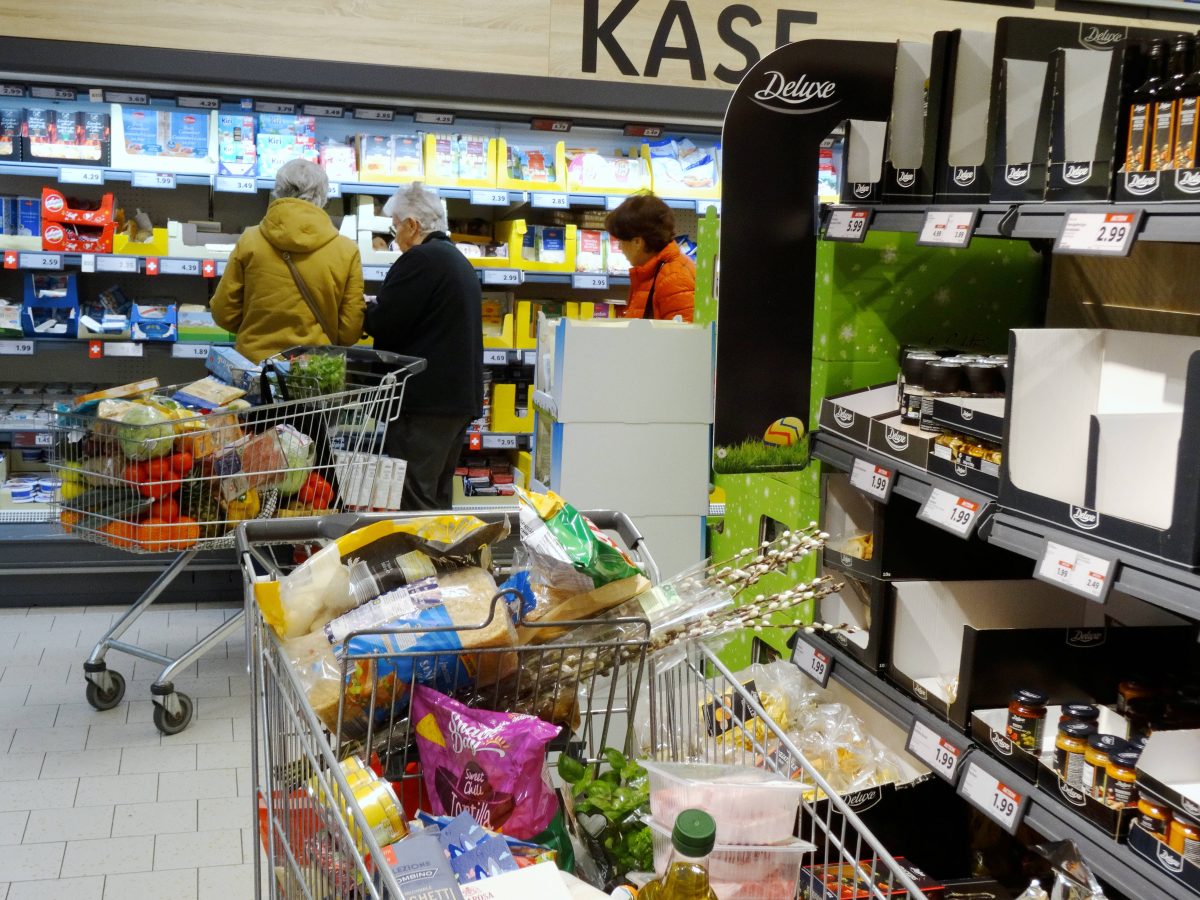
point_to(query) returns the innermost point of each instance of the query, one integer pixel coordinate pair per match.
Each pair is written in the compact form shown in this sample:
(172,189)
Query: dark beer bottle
(1141,109)
(1162,145)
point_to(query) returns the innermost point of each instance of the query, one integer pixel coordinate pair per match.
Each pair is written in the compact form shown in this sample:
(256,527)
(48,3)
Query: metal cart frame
(312,847)
(373,394)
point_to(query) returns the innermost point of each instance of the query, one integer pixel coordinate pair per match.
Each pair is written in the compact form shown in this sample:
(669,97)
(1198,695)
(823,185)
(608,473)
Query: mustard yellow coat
(257,298)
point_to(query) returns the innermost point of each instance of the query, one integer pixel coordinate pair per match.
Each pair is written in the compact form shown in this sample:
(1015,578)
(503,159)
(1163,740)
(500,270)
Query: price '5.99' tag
(958,515)
(847,225)
(992,797)
(874,481)
(814,663)
(935,751)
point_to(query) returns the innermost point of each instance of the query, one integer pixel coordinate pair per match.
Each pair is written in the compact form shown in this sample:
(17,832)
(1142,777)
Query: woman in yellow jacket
(258,297)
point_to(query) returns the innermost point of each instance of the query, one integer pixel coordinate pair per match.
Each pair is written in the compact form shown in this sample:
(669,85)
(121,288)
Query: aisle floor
(99,805)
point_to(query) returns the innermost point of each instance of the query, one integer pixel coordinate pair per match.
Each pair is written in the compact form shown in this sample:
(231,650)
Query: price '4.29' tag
(992,797)
(874,481)
(935,751)
(958,515)
(1098,233)
(814,663)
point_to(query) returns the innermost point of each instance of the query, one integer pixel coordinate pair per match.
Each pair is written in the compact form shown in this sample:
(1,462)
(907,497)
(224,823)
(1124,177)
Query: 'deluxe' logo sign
(906,177)
(1141,182)
(843,416)
(1076,173)
(964,176)
(1017,175)
(798,96)
(1188,180)
(1099,37)
(1084,518)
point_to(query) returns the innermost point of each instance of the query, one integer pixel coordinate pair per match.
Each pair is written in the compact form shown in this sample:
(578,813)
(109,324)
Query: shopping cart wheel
(110,694)
(167,723)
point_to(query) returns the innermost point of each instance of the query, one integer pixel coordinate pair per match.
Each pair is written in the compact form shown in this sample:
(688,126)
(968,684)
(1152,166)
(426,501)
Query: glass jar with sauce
(1026,719)
(1121,782)
(1100,747)
(1155,817)
(1134,689)
(1184,838)
(1079,712)
(1069,749)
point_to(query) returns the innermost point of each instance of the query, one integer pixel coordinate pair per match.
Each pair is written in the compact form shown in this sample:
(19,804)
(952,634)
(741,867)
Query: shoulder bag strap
(330,335)
(648,312)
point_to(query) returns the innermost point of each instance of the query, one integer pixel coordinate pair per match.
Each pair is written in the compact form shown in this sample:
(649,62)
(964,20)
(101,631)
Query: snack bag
(490,764)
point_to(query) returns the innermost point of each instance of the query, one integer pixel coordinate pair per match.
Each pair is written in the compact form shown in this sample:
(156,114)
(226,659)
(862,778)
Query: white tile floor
(100,806)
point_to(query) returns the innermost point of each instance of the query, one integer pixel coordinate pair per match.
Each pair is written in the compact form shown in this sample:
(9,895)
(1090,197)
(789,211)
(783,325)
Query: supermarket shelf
(1175,222)
(911,482)
(1113,862)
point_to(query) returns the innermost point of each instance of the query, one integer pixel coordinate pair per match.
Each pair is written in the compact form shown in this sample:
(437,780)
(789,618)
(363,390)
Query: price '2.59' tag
(848,225)
(935,751)
(992,797)
(1098,233)
(814,663)
(1076,571)
(874,481)
(958,515)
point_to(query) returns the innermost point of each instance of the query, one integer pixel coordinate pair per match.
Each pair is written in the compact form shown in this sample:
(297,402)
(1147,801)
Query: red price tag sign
(95,350)
(10,259)
(208,268)
(151,265)
(475,441)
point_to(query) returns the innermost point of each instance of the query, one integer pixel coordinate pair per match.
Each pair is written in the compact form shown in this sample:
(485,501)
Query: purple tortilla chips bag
(490,764)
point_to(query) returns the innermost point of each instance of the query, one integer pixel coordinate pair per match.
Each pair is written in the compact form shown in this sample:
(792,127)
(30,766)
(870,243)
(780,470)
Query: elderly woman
(430,306)
(662,282)
(294,250)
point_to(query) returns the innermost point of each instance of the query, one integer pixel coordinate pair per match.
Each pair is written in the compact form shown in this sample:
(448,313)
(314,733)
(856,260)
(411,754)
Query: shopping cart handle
(615,520)
(299,529)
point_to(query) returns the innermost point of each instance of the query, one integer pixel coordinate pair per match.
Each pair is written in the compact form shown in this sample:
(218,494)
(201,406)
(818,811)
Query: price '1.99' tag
(1076,571)
(935,751)
(874,481)
(992,797)
(958,515)
(814,663)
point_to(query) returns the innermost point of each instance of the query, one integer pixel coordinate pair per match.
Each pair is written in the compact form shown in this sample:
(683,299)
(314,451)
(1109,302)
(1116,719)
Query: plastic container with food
(742,871)
(750,806)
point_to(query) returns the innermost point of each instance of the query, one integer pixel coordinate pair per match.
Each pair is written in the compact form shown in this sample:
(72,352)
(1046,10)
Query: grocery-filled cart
(691,693)
(152,473)
(321,818)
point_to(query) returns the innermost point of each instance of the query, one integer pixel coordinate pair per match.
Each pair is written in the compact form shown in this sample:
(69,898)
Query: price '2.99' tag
(848,225)
(1098,233)
(958,515)
(935,751)
(814,663)
(1076,571)
(992,797)
(874,481)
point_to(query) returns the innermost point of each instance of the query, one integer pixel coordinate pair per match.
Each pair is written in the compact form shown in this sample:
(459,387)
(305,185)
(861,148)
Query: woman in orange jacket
(662,282)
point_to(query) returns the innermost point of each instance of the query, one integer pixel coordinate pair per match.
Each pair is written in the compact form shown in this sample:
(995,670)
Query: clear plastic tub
(743,871)
(750,806)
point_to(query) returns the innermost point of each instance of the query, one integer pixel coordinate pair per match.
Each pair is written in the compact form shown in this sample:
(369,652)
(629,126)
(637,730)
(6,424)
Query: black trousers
(431,444)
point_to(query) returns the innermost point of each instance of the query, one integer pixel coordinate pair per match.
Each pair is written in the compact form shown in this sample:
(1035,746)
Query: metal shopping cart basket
(318,846)
(166,479)
(689,693)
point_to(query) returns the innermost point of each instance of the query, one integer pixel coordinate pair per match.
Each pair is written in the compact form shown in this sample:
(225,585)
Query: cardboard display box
(862,602)
(1100,437)
(964,159)
(911,159)
(1169,769)
(958,646)
(850,414)
(50,316)
(981,417)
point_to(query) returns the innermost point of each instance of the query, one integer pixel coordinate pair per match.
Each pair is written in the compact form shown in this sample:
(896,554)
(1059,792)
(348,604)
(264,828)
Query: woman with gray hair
(430,306)
(293,252)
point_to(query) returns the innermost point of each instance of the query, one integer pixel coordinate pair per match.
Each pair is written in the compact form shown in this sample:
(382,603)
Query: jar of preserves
(1145,714)
(1184,838)
(1095,761)
(1079,712)
(1026,719)
(1154,816)
(1069,749)
(1133,689)
(1120,789)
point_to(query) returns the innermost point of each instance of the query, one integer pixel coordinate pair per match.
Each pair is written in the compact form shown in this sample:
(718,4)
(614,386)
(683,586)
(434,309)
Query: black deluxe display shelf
(1115,863)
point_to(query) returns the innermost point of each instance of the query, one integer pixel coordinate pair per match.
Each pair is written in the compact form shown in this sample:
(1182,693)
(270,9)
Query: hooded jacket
(258,298)
(674,291)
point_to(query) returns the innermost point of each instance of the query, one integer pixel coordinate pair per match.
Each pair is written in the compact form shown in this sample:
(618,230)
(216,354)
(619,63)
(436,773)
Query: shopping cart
(690,692)
(168,480)
(319,846)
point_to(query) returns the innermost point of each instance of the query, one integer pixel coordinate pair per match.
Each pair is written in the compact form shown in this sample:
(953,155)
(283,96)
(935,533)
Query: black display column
(784,107)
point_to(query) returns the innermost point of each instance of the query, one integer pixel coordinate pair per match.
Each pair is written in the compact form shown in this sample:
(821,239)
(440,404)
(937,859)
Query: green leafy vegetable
(316,375)
(621,795)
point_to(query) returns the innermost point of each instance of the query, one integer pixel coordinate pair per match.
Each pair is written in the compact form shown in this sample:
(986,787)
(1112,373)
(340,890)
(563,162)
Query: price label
(198,102)
(43,439)
(589,282)
(703,205)
(154,180)
(116,263)
(331,112)
(499,442)
(41,261)
(489,198)
(235,184)
(335,190)
(1076,571)
(992,797)
(644,131)
(87,262)
(168,266)
(935,751)
(374,273)
(433,118)
(495,357)
(814,663)
(11,90)
(1098,233)
(848,225)
(958,515)
(948,228)
(221,264)
(124,348)
(189,351)
(52,93)
(16,348)
(375,115)
(874,481)
(530,357)
(542,200)
(80,175)
(501,276)
(282,109)
(613,202)
(126,97)
(562,126)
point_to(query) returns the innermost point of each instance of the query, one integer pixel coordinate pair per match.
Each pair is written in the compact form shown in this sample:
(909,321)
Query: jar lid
(695,833)
(1109,743)
(1080,711)
(913,365)
(1126,759)
(1031,697)
(1077,729)
(945,377)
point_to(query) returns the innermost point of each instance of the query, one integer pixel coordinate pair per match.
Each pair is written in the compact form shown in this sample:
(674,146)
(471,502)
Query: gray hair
(303,180)
(417,202)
